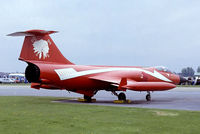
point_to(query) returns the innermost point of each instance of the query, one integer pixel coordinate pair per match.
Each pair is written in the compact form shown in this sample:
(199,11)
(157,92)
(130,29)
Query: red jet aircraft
(48,68)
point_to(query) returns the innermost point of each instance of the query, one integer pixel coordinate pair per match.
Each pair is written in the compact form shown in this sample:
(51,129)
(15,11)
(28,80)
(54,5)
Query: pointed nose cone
(182,80)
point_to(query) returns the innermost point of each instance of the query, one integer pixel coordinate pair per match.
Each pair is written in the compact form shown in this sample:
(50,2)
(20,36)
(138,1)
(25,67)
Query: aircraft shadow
(111,102)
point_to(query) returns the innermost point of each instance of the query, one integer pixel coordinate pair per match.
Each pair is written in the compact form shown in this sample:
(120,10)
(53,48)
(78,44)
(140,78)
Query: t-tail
(38,46)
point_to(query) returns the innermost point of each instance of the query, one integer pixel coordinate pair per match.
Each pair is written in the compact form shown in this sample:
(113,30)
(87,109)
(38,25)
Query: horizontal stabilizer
(32,33)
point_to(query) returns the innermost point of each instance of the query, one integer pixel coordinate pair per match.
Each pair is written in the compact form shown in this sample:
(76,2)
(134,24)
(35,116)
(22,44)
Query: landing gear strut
(87,98)
(148,96)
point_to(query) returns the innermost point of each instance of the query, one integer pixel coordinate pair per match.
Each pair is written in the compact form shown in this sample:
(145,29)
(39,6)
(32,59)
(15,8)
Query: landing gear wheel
(88,98)
(148,97)
(122,96)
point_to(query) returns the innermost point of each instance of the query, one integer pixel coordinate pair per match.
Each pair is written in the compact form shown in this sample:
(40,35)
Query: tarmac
(180,98)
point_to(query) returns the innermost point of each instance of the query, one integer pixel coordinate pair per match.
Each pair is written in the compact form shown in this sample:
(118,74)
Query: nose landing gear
(148,96)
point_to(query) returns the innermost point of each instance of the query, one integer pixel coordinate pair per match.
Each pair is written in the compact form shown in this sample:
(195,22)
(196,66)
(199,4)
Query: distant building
(7,80)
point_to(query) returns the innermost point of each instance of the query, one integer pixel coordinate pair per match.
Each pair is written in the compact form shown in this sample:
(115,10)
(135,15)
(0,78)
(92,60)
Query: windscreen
(162,68)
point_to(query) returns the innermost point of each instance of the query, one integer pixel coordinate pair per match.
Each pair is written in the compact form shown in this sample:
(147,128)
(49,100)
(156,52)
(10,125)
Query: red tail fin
(38,46)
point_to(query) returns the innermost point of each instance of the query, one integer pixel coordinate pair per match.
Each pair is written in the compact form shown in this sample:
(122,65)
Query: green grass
(15,84)
(38,115)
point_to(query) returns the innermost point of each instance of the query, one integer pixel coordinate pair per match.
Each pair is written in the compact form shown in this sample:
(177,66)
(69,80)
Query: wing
(124,83)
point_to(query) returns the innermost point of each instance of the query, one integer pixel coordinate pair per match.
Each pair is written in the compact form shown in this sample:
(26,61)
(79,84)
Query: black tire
(88,98)
(148,97)
(122,96)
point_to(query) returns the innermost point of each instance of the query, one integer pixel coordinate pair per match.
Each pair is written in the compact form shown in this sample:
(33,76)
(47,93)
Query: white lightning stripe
(69,73)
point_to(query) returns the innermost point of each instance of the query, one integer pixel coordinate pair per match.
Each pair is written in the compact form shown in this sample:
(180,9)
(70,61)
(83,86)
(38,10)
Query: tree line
(189,71)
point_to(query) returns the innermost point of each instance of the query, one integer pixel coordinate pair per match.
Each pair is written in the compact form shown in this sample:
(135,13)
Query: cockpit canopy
(162,68)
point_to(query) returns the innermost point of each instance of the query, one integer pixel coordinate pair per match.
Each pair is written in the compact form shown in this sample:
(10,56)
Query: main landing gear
(121,96)
(87,98)
(148,96)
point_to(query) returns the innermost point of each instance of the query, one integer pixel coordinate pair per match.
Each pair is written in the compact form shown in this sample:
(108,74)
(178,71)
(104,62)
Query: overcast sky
(107,32)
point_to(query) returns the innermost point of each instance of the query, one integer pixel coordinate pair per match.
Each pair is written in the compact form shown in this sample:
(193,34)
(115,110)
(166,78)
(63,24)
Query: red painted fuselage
(48,68)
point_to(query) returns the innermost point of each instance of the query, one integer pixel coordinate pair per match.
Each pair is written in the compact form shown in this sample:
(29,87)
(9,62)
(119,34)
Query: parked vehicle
(7,80)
